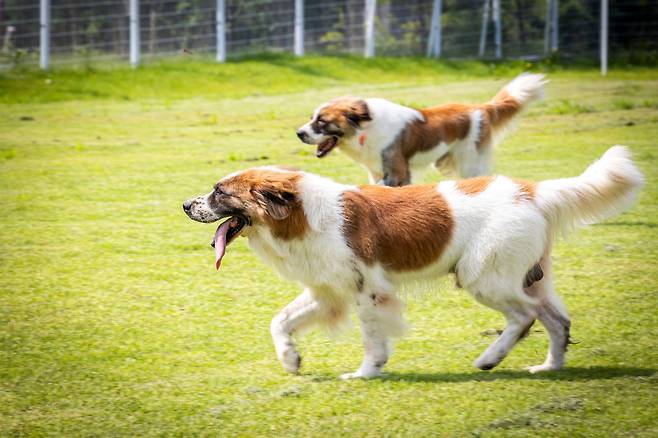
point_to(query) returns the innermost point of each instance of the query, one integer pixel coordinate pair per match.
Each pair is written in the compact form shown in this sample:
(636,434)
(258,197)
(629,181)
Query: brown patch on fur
(293,227)
(441,124)
(403,228)
(527,190)
(474,186)
(445,123)
(502,108)
(272,197)
(342,116)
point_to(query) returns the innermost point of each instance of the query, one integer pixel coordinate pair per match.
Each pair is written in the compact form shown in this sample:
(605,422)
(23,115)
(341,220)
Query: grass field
(113,321)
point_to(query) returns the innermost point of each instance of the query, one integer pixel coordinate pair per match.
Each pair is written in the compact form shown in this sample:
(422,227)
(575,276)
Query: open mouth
(225,234)
(326,146)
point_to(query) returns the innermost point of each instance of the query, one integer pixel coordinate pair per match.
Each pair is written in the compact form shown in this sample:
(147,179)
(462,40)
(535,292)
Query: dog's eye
(321,122)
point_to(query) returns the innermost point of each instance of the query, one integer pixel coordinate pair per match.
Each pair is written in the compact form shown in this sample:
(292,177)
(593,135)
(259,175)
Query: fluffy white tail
(608,187)
(526,88)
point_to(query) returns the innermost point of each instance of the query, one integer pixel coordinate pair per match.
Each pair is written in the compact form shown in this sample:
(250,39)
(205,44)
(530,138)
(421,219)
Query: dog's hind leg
(553,315)
(506,296)
(303,312)
(380,315)
(519,322)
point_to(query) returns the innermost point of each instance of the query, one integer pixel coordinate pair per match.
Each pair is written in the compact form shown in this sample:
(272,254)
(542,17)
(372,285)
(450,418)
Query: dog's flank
(395,142)
(375,215)
(359,246)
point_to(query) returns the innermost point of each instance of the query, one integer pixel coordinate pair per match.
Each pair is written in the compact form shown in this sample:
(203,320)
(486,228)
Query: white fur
(527,88)
(605,189)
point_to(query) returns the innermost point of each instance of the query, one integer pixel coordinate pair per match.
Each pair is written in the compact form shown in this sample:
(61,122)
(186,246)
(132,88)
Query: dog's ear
(276,198)
(358,112)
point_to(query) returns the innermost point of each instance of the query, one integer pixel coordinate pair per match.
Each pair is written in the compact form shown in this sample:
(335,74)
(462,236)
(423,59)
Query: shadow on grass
(567,374)
(627,224)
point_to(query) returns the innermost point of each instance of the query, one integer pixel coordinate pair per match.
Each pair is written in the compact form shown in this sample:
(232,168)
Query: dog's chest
(311,261)
(367,154)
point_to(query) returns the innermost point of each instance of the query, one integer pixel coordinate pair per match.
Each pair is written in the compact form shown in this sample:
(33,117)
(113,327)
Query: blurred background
(92,31)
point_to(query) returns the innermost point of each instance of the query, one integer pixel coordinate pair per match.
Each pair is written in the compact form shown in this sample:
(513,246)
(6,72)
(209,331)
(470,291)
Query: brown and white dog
(395,143)
(354,247)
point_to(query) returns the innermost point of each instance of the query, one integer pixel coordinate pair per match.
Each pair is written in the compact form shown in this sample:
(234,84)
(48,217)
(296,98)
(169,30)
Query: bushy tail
(513,98)
(608,187)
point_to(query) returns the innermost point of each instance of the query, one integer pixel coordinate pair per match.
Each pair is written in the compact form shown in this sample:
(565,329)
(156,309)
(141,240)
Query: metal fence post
(498,28)
(299,27)
(44,35)
(134,33)
(220,25)
(604,37)
(434,40)
(369,25)
(554,25)
(485,24)
(547,26)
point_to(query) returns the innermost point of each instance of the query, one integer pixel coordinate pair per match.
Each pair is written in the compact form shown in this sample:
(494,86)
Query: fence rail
(47,32)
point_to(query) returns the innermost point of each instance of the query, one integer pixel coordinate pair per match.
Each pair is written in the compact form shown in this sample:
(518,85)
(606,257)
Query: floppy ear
(277,199)
(357,113)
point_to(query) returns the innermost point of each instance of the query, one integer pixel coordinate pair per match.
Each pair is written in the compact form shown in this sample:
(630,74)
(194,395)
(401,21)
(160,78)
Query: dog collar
(362,139)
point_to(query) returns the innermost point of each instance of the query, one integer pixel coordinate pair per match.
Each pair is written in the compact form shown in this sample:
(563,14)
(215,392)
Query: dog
(354,247)
(396,143)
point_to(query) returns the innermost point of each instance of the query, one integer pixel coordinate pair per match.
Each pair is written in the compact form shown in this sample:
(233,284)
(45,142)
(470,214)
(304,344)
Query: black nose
(301,134)
(187,205)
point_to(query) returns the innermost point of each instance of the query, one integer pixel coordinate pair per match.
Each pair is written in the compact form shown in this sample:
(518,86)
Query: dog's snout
(301,134)
(187,205)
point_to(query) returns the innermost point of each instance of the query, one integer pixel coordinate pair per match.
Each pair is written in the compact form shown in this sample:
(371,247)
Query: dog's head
(260,196)
(334,121)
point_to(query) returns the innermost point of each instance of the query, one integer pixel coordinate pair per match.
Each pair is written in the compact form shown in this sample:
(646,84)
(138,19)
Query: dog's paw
(541,368)
(350,376)
(359,375)
(291,360)
(485,364)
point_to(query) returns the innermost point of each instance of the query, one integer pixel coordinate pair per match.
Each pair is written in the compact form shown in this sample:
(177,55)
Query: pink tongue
(220,243)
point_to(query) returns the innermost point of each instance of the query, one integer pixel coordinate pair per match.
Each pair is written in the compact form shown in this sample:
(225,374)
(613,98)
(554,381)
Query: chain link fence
(97,31)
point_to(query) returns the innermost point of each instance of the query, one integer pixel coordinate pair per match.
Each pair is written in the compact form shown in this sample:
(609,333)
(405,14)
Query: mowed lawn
(113,321)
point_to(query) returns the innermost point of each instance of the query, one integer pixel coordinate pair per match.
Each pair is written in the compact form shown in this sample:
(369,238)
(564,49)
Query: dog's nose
(301,134)
(187,205)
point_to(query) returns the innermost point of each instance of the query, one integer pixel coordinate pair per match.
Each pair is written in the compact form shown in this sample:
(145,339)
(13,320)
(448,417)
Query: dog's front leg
(395,167)
(302,312)
(378,314)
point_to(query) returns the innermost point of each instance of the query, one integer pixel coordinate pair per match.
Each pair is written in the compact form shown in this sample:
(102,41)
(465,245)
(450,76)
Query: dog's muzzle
(302,135)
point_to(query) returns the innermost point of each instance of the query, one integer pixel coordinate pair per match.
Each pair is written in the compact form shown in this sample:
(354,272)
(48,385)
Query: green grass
(114,322)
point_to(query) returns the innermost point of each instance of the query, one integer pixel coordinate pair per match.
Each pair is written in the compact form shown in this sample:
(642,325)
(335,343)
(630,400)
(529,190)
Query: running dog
(394,143)
(354,247)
